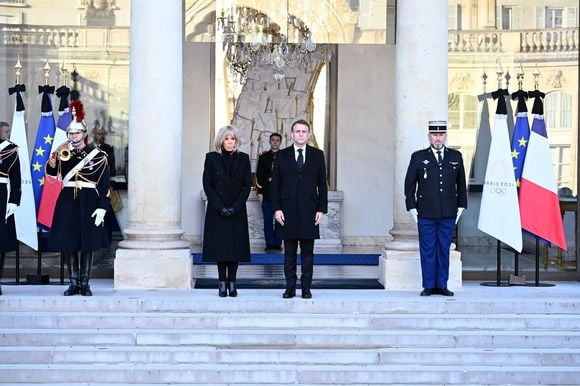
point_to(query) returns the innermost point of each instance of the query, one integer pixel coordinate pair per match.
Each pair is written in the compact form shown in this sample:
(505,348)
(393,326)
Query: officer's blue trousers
(435,237)
(269,230)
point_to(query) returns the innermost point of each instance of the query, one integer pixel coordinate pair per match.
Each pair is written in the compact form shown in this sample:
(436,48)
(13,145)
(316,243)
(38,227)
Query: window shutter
(517,17)
(571,19)
(540,18)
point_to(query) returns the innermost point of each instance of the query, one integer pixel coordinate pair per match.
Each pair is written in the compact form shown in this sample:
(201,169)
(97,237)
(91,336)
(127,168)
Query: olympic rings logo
(498,191)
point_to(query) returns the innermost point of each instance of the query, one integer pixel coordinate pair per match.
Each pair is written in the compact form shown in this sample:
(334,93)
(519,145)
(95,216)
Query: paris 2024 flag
(539,202)
(499,214)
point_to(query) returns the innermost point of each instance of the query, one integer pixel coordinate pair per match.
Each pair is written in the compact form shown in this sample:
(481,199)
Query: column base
(160,268)
(401,270)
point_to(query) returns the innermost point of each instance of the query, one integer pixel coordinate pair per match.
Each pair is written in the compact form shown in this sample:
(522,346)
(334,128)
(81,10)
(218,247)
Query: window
(554,17)
(558,110)
(561,162)
(454,18)
(507,15)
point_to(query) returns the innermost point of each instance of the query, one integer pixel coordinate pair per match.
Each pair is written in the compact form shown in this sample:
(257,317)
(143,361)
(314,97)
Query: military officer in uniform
(263,183)
(435,196)
(10,184)
(77,226)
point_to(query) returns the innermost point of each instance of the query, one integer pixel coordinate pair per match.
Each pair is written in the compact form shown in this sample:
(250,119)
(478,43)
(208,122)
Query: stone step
(288,374)
(324,302)
(183,320)
(289,356)
(290,338)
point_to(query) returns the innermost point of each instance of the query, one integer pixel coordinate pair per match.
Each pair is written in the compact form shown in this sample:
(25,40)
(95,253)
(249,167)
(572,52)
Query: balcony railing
(65,36)
(475,41)
(557,40)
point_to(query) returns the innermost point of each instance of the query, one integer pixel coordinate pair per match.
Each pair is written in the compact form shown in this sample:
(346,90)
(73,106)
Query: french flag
(539,203)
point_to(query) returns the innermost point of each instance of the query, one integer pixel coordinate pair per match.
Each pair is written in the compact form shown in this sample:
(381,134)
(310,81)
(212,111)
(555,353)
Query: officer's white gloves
(10,209)
(414,214)
(459,211)
(99,215)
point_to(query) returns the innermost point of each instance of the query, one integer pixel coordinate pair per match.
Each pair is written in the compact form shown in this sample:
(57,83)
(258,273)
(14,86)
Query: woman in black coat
(227,179)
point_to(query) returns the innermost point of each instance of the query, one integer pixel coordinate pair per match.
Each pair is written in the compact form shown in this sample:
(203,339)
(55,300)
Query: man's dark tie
(300,160)
(439,159)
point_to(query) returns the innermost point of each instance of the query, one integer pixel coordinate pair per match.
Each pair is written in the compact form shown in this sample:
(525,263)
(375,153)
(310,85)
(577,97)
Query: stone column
(421,95)
(153,255)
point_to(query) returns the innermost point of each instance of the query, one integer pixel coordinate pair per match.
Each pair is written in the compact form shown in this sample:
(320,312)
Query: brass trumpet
(64,154)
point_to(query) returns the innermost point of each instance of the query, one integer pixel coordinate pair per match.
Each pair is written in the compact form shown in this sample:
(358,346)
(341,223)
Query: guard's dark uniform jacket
(9,171)
(73,228)
(264,174)
(436,190)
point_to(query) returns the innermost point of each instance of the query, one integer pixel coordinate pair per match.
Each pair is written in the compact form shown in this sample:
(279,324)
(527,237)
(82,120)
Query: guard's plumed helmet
(77,124)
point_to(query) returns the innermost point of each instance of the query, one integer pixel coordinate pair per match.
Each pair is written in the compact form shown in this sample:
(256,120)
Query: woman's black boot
(233,292)
(222,290)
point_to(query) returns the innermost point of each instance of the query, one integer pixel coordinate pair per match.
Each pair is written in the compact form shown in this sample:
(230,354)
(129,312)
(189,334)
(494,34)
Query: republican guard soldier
(77,226)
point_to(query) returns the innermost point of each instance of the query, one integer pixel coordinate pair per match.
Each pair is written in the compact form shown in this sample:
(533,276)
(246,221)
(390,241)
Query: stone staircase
(337,338)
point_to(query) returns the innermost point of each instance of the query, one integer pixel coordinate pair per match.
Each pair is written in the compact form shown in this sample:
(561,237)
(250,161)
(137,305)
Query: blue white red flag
(64,117)
(539,202)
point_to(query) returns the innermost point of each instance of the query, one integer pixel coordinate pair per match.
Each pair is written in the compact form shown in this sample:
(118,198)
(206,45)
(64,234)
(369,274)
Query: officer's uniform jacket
(264,173)
(436,191)
(73,228)
(9,179)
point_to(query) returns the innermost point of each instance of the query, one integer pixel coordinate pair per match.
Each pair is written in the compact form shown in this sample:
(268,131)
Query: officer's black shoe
(289,294)
(306,294)
(444,292)
(427,292)
(277,247)
(222,289)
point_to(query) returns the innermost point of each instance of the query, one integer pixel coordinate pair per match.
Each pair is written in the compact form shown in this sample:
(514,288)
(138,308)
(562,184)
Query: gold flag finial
(46,72)
(520,76)
(499,73)
(536,74)
(64,73)
(18,69)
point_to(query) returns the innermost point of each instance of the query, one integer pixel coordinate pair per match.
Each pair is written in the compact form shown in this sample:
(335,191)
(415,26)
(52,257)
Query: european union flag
(521,135)
(43,143)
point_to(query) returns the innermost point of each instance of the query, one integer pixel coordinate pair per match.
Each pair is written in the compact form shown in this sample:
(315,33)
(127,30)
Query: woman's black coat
(226,239)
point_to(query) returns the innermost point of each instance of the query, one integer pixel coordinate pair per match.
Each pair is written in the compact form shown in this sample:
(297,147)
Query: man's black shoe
(277,247)
(427,292)
(289,294)
(269,248)
(444,292)
(306,294)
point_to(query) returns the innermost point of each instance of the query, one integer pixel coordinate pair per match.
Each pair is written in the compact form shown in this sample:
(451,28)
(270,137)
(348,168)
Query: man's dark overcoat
(226,239)
(10,170)
(299,194)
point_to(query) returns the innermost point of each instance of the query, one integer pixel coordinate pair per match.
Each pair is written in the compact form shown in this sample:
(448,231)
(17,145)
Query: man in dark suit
(263,188)
(299,200)
(435,195)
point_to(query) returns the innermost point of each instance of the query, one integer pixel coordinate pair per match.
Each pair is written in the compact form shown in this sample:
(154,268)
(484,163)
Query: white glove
(99,215)
(10,209)
(459,211)
(414,214)
(260,198)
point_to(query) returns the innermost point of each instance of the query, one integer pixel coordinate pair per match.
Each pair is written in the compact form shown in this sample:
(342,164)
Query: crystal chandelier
(250,36)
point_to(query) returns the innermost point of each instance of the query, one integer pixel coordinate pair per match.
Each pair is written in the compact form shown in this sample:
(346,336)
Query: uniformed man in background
(435,196)
(9,199)
(263,183)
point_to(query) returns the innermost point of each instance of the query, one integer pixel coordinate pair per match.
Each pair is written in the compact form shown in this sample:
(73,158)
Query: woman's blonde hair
(221,135)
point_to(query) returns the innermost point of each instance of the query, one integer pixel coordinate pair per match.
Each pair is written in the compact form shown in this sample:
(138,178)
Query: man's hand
(318,218)
(10,209)
(99,215)
(260,198)
(279,215)
(414,214)
(459,212)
